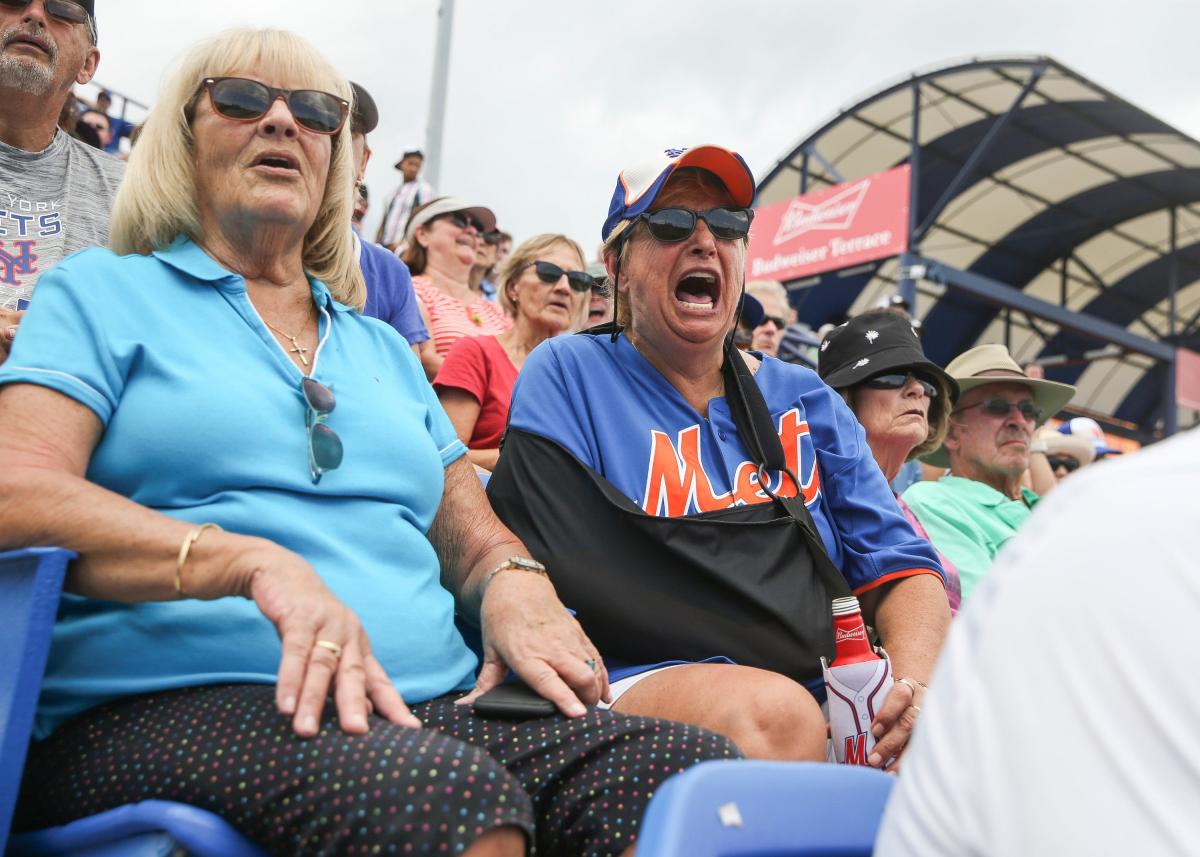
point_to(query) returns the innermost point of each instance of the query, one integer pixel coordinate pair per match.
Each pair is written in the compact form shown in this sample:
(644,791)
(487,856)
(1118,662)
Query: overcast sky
(548,100)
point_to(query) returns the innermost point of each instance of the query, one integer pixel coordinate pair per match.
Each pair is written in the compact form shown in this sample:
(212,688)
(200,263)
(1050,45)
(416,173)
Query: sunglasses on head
(1057,461)
(1000,407)
(324,446)
(579,281)
(669,225)
(897,381)
(244,100)
(462,220)
(63,10)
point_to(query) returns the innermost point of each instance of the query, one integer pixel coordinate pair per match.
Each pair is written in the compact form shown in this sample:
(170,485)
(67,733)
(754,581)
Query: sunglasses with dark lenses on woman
(897,380)
(669,225)
(1057,461)
(324,446)
(462,220)
(1000,407)
(64,10)
(244,100)
(579,281)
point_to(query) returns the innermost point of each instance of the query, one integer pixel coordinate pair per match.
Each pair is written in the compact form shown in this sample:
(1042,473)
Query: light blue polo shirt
(204,420)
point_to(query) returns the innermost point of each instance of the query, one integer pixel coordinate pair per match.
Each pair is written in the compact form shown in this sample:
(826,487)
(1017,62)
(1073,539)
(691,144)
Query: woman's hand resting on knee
(324,646)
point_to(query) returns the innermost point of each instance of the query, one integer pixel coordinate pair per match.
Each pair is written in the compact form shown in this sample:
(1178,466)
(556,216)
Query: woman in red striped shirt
(442,238)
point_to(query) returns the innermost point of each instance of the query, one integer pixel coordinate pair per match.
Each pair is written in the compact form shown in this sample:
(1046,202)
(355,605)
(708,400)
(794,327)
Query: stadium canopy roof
(1047,213)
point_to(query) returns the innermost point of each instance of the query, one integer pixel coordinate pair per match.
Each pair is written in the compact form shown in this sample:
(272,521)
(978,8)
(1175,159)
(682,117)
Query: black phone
(514,702)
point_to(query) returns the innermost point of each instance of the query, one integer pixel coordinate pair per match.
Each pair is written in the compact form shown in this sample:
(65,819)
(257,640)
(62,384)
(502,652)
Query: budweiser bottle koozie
(857,683)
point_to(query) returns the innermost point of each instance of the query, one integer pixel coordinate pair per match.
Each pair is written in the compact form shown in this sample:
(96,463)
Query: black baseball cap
(365,116)
(872,344)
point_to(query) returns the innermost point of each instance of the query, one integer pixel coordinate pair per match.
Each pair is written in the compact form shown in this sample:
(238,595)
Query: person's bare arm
(128,552)
(9,320)
(431,362)
(525,627)
(912,617)
(463,410)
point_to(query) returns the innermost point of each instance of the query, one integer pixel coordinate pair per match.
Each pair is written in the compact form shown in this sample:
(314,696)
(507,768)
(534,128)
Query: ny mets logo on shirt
(678,484)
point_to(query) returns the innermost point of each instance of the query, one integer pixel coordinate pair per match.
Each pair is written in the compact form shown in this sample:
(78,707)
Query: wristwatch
(517,563)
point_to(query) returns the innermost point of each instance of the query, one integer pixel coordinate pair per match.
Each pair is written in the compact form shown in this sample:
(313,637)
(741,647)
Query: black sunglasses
(579,281)
(492,238)
(1057,461)
(780,323)
(669,225)
(64,10)
(462,220)
(244,100)
(897,380)
(1000,407)
(324,446)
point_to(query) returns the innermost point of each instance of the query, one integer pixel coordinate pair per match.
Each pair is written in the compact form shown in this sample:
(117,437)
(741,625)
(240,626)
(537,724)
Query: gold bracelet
(516,563)
(184,549)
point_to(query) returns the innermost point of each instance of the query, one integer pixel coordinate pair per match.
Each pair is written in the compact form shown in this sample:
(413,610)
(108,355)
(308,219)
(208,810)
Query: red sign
(838,227)
(1187,379)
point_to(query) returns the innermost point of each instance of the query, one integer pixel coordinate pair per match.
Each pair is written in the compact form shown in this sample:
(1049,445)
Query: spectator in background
(484,269)
(442,243)
(97,123)
(119,127)
(1088,429)
(1062,715)
(390,295)
(980,504)
(399,205)
(600,304)
(544,289)
(901,398)
(777,315)
(1065,453)
(43,54)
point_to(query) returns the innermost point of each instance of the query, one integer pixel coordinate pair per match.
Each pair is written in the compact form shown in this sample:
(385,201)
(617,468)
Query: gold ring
(333,647)
(915,708)
(909,683)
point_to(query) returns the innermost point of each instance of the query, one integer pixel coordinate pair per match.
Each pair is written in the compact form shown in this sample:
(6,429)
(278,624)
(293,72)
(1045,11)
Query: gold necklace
(297,348)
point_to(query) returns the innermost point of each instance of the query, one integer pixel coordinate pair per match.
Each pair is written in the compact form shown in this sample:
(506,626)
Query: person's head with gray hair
(777,315)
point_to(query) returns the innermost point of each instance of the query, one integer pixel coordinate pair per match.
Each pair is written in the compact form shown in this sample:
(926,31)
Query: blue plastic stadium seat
(766,809)
(30,585)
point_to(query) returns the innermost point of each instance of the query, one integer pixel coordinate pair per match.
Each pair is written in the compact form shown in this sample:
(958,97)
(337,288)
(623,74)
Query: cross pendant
(297,349)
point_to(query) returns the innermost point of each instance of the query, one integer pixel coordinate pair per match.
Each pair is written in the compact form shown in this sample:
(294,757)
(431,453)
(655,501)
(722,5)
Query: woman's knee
(769,716)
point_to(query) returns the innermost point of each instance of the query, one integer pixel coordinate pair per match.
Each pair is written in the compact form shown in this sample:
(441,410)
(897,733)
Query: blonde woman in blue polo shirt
(276,523)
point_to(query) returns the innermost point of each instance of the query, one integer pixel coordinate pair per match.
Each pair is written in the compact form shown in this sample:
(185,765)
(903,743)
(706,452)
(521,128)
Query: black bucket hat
(875,343)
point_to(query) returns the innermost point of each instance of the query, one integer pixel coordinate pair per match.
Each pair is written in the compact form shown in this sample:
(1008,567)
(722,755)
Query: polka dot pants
(576,787)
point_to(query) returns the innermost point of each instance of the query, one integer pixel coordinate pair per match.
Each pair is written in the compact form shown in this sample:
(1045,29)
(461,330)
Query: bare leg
(500,842)
(767,715)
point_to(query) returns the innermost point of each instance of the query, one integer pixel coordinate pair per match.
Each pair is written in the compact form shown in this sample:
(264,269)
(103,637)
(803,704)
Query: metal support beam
(985,146)
(996,293)
(804,173)
(828,167)
(906,286)
(437,94)
(1170,409)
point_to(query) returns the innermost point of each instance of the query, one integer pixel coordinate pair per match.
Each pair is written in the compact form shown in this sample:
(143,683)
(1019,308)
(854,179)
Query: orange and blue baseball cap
(639,186)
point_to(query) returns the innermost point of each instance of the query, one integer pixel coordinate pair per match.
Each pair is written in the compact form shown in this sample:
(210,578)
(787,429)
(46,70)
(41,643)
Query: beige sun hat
(1057,443)
(991,364)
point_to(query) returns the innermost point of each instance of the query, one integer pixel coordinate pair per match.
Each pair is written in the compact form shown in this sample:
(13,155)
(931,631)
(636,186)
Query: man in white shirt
(400,203)
(1062,715)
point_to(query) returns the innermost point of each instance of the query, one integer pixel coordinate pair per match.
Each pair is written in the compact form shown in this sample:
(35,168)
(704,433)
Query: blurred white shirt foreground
(1064,715)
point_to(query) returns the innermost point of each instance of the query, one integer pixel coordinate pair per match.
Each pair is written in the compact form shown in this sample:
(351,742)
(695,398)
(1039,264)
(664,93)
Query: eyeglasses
(462,220)
(245,100)
(492,238)
(669,225)
(64,10)
(324,446)
(779,322)
(1057,461)
(579,281)
(897,381)
(1000,407)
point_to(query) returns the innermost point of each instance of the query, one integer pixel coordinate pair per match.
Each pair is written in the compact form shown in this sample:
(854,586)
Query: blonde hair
(684,177)
(157,199)
(526,254)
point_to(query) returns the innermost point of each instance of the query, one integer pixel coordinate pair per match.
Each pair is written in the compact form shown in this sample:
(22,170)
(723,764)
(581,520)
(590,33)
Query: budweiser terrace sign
(838,227)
